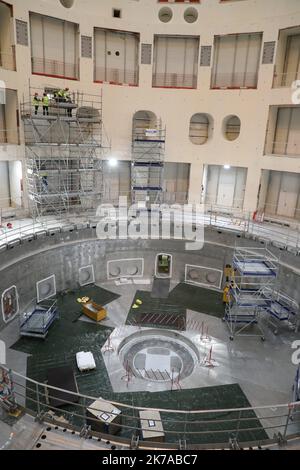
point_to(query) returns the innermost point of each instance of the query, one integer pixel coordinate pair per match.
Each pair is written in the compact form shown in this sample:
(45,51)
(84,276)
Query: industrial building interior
(149,224)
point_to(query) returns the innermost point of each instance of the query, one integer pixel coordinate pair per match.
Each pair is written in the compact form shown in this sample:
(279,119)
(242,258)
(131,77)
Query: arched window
(200,128)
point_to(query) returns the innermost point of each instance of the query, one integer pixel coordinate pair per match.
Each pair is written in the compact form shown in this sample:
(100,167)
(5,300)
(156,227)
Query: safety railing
(116,76)
(55,68)
(260,425)
(8,59)
(234,80)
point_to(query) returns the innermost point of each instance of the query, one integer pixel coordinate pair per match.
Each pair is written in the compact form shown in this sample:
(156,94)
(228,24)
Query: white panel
(54,39)
(212,184)
(70,42)
(226,187)
(293,142)
(15,177)
(100,54)
(253,60)
(175,61)
(240,184)
(273,192)
(36,33)
(236,60)
(281,131)
(2,124)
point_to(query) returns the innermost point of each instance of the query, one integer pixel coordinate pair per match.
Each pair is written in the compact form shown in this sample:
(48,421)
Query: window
(165,14)
(175,61)
(287,132)
(116,13)
(288,60)
(232,127)
(200,128)
(54,47)
(116,57)
(7,50)
(236,60)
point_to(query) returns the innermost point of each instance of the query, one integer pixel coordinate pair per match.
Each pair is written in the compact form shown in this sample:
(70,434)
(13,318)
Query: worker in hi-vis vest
(45,102)
(36,102)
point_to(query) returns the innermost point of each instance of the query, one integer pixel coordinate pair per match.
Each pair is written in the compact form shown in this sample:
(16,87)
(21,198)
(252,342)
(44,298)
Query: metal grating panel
(205,56)
(22,32)
(86,47)
(146,52)
(268,52)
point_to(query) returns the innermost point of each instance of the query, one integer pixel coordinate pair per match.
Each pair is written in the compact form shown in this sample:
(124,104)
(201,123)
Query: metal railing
(241,222)
(8,59)
(200,428)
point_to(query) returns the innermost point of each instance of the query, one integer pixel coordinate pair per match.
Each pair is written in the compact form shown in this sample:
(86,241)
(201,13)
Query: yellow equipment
(94,311)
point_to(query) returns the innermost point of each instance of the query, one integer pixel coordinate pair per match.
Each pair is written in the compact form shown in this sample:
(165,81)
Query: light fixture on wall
(113,162)
(227,167)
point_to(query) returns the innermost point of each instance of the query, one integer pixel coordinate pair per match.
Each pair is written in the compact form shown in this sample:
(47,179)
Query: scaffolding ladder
(251,290)
(147,167)
(63,154)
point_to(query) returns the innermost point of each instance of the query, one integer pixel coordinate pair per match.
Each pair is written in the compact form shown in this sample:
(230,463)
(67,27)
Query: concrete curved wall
(64,253)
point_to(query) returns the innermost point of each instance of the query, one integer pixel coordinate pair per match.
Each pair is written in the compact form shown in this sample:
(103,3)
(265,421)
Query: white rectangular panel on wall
(287,132)
(236,60)
(291,68)
(54,46)
(116,56)
(288,195)
(175,61)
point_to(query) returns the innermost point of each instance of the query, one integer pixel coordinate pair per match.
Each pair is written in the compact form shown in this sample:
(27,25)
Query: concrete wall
(64,253)
(176,107)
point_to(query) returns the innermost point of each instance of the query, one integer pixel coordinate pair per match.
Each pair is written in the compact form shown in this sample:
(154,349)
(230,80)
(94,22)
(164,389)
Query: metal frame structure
(148,152)
(37,318)
(251,290)
(63,154)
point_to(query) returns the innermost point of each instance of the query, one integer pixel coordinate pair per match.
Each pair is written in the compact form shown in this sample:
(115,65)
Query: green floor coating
(198,299)
(66,337)
(150,306)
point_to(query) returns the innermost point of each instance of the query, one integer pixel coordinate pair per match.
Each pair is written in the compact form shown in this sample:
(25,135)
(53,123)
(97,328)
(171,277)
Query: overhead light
(112,162)
(227,167)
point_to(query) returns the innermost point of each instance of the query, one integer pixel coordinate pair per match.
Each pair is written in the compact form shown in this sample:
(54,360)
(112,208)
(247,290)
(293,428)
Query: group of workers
(229,272)
(60,96)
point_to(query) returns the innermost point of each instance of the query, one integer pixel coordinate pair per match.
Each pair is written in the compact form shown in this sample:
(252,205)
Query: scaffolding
(252,287)
(148,151)
(63,153)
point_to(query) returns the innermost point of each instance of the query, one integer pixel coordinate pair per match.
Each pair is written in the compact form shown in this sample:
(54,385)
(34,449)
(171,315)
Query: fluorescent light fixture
(29,171)
(227,167)
(113,162)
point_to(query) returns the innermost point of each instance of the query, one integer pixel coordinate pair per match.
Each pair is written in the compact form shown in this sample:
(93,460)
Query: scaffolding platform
(36,320)
(64,154)
(148,148)
(282,309)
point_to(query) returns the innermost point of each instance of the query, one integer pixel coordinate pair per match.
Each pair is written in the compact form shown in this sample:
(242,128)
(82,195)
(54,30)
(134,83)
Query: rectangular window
(175,61)
(236,60)
(287,132)
(54,47)
(116,56)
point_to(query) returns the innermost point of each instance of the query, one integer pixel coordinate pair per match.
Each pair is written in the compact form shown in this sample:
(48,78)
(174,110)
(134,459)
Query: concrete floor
(263,369)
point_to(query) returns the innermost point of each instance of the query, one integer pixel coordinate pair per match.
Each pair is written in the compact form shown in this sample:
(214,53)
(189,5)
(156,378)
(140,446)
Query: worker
(45,102)
(36,102)
(226,294)
(65,97)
